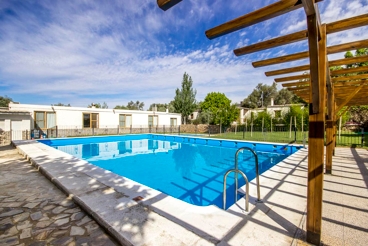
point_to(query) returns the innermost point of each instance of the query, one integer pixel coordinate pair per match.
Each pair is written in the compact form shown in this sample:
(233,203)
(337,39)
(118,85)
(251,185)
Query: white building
(15,122)
(276,111)
(44,117)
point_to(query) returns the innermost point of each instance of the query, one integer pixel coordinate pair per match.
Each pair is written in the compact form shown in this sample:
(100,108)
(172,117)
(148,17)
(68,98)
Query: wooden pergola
(321,88)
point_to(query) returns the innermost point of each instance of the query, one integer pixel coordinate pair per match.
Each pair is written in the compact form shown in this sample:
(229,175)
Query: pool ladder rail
(236,171)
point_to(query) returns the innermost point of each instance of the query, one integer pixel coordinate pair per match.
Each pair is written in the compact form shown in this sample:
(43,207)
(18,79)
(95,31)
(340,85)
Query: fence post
(243,131)
(209,130)
(295,134)
(362,137)
(131,129)
(164,130)
(179,130)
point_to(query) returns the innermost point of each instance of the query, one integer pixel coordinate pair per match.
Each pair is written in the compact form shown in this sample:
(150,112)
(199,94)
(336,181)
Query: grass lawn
(349,139)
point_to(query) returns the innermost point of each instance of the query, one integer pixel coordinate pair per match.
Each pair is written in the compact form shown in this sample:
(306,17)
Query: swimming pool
(187,168)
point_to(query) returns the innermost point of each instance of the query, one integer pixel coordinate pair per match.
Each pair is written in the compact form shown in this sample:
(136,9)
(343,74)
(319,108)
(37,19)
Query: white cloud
(80,52)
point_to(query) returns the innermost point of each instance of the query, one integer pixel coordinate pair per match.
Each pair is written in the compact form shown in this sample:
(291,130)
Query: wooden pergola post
(330,126)
(343,90)
(318,68)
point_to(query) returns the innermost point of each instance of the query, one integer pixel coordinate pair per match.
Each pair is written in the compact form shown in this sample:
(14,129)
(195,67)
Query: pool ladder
(236,171)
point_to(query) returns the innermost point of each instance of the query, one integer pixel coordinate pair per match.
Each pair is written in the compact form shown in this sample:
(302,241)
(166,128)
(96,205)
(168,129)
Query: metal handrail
(246,191)
(257,173)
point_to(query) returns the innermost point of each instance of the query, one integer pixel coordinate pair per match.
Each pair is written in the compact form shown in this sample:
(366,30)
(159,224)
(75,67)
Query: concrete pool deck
(159,219)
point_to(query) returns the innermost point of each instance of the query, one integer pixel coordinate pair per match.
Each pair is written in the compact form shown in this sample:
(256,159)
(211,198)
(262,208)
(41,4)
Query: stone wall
(199,128)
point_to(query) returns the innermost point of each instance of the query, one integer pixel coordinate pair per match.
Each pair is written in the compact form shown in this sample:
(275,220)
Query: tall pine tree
(184,100)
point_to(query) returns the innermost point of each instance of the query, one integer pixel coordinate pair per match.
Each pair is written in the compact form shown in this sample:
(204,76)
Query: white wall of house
(22,120)
(67,117)
(246,113)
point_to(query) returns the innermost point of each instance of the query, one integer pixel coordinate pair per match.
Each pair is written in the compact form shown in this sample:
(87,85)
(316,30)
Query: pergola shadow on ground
(318,86)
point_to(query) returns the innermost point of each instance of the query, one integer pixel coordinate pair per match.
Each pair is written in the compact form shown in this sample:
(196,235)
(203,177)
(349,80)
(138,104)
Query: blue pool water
(190,169)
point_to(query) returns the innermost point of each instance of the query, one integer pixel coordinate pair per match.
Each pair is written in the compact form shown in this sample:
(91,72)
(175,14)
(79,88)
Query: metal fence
(356,138)
(281,134)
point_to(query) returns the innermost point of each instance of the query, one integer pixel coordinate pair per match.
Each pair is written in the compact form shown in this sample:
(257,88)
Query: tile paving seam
(100,221)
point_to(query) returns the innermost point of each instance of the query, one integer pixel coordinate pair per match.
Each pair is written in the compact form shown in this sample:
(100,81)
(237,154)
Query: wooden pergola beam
(342,112)
(348,84)
(332,27)
(291,78)
(338,62)
(351,77)
(346,61)
(305,54)
(349,97)
(166,4)
(272,43)
(349,70)
(268,12)
(288,70)
(302,88)
(346,24)
(295,84)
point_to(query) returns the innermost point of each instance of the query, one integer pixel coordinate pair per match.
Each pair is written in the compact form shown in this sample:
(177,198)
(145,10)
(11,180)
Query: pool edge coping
(99,218)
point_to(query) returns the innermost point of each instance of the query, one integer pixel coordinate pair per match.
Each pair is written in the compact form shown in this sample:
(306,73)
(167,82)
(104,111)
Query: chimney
(271,101)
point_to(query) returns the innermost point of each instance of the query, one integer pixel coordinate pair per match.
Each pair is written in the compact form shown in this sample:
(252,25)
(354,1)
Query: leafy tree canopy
(261,96)
(284,96)
(135,105)
(120,107)
(4,101)
(219,107)
(98,105)
(359,114)
(160,107)
(62,105)
(184,100)
(131,106)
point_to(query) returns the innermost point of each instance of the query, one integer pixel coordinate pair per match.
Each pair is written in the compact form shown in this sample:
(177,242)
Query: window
(125,120)
(45,120)
(277,113)
(152,120)
(90,120)
(173,121)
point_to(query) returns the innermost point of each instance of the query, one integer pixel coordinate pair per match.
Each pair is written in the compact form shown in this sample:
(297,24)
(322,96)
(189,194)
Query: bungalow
(113,121)
(276,111)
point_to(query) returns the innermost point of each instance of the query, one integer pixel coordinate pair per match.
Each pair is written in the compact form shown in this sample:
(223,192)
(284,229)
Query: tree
(263,117)
(160,107)
(184,100)
(62,105)
(219,107)
(298,112)
(261,96)
(5,100)
(359,114)
(135,105)
(284,96)
(120,107)
(104,105)
(98,105)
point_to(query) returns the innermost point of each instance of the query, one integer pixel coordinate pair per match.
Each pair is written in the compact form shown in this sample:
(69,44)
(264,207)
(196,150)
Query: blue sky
(80,52)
